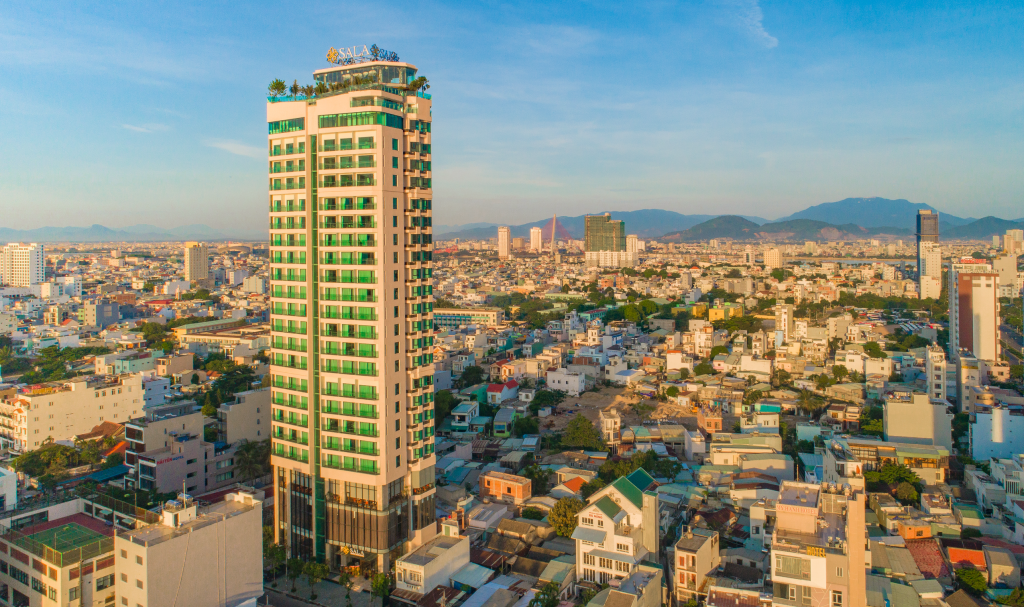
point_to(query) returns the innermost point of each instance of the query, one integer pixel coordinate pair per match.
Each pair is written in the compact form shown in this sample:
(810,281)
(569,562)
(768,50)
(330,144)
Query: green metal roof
(630,491)
(609,507)
(640,479)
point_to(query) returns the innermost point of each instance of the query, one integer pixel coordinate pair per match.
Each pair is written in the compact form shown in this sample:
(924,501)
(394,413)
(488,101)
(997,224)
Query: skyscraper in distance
(536,239)
(504,242)
(927,231)
(351,371)
(197,261)
(604,242)
(929,270)
(973,310)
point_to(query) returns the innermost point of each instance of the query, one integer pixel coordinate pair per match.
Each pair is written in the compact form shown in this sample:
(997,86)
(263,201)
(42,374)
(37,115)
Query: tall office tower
(21,265)
(772,259)
(536,239)
(504,242)
(197,261)
(748,255)
(927,231)
(810,247)
(818,545)
(973,310)
(929,272)
(351,301)
(604,242)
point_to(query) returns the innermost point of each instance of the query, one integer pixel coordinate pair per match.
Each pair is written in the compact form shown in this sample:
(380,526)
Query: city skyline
(774,115)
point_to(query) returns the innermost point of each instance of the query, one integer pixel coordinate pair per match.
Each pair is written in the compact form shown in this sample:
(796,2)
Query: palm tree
(248,460)
(320,89)
(308,91)
(295,88)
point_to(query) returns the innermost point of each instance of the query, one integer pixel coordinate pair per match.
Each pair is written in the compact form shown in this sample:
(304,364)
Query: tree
(581,433)
(380,586)
(252,459)
(277,88)
(532,513)
(276,554)
(547,597)
(894,474)
(971,580)
(592,487)
(672,392)
(209,409)
(968,534)
(906,492)
(588,595)
(295,569)
(525,425)
(538,478)
(472,376)
(444,402)
(563,516)
(315,573)
(839,372)
(295,88)
(873,350)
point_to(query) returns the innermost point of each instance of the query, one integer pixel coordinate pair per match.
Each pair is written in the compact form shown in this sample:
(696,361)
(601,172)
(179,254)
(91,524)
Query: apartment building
(618,529)
(21,265)
(929,278)
(245,418)
(847,458)
(914,417)
(197,262)
(696,557)
(973,310)
(194,556)
(605,243)
(351,329)
(536,239)
(935,373)
(453,318)
(817,548)
(167,451)
(504,243)
(502,487)
(62,410)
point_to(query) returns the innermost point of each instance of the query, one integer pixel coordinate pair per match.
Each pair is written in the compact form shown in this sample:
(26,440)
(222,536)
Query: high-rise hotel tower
(351,301)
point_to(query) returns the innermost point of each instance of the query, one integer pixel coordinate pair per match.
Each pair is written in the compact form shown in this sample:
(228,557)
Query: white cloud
(145,128)
(237,148)
(750,18)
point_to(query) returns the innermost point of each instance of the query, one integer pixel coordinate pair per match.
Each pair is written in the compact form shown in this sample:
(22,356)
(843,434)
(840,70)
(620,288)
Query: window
(587,521)
(394,179)
(124,554)
(793,567)
(588,559)
(622,547)
(124,577)
(73,593)
(138,559)
(106,582)
(394,144)
(138,583)
(394,162)
(837,598)
(604,563)
(839,572)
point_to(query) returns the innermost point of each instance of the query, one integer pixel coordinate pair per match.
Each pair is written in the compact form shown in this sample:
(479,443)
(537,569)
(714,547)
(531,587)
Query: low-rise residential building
(508,488)
(433,564)
(618,529)
(696,557)
(914,417)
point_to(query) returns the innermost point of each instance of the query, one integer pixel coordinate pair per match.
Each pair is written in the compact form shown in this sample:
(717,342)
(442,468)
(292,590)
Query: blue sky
(129,113)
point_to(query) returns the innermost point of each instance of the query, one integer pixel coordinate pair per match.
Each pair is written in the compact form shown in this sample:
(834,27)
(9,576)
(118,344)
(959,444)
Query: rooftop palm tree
(295,88)
(320,89)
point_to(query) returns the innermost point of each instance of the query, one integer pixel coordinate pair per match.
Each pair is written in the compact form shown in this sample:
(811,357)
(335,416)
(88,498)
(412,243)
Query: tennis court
(66,537)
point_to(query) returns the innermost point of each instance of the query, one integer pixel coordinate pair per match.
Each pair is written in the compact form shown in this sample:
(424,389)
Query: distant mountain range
(873,213)
(843,219)
(646,223)
(136,233)
(738,228)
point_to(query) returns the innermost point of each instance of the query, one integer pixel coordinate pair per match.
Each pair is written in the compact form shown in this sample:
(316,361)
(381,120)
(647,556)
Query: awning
(588,535)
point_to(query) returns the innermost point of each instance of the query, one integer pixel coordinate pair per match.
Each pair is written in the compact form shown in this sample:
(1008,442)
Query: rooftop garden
(279,91)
